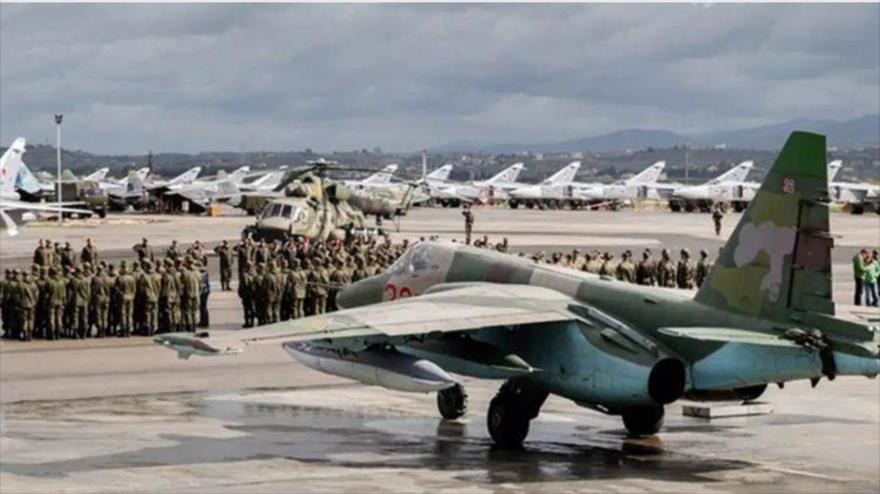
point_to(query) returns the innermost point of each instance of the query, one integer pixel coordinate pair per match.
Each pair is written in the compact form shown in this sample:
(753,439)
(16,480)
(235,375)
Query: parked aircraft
(15,176)
(764,315)
(454,194)
(730,187)
(644,185)
(858,197)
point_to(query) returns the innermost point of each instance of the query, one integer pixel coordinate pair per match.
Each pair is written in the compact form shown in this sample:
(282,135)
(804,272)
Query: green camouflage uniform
(100,301)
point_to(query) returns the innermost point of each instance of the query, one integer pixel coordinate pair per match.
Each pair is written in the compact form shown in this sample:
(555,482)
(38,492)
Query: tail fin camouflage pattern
(777,262)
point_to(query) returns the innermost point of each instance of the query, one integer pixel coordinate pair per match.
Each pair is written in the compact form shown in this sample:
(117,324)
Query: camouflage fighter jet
(764,315)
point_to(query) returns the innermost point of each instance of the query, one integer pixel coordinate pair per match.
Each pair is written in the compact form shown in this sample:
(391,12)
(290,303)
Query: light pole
(58,118)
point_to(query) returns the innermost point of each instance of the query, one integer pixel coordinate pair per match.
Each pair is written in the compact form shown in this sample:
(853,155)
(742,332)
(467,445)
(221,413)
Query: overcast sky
(285,77)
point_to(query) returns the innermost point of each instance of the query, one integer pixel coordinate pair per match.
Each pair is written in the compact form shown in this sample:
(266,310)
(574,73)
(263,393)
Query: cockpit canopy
(292,212)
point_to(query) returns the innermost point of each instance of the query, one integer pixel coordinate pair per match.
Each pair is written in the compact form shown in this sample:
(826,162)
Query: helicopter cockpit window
(286,211)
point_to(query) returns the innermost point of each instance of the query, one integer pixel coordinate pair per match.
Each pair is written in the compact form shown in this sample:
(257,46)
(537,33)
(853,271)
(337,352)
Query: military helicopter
(308,205)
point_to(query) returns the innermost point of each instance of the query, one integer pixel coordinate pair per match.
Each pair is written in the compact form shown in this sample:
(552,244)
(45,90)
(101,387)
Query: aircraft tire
(511,410)
(452,402)
(643,420)
(507,425)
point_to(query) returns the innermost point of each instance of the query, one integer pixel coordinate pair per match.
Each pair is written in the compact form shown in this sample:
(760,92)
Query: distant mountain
(856,133)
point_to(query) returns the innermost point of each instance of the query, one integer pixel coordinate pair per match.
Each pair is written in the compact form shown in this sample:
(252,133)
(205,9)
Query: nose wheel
(452,402)
(511,411)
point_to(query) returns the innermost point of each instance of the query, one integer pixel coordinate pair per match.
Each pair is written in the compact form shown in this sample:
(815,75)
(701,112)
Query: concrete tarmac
(122,415)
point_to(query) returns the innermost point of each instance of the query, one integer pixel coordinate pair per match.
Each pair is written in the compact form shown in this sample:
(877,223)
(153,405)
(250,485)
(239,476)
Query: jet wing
(465,308)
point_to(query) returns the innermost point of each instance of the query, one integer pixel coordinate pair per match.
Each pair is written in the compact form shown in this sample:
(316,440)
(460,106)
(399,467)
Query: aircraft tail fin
(509,174)
(68,176)
(833,168)
(382,176)
(441,173)
(777,262)
(649,175)
(238,175)
(135,183)
(736,174)
(97,175)
(566,174)
(10,164)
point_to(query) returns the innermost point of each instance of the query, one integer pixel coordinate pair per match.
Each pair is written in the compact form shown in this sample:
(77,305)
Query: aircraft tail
(14,173)
(135,183)
(97,175)
(566,174)
(10,164)
(648,175)
(239,174)
(509,174)
(833,168)
(777,262)
(383,176)
(736,174)
(441,173)
(187,176)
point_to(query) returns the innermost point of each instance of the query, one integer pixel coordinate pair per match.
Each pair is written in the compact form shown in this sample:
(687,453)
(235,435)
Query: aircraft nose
(363,292)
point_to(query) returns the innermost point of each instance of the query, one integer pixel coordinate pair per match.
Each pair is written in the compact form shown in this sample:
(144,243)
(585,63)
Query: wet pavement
(351,438)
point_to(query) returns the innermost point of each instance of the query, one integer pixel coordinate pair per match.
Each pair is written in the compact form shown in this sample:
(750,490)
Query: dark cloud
(211,77)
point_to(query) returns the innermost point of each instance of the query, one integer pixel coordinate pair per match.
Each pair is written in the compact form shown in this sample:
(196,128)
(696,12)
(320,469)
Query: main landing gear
(643,420)
(510,412)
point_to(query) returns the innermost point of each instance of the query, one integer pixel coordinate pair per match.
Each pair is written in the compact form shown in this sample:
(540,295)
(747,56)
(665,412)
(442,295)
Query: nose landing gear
(452,402)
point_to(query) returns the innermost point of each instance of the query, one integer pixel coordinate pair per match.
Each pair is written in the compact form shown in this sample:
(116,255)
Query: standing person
(81,294)
(204,320)
(144,251)
(173,251)
(646,269)
(191,290)
(89,253)
(858,262)
(298,281)
(126,286)
(225,254)
(149,287)
(665,270)
(717,216)
(684,271)
(57,289)
(245,251)
(27,304)
(101,289)
(245,293)
(68,256)
(626,270)
(468,223)
(872,272)
(703,266)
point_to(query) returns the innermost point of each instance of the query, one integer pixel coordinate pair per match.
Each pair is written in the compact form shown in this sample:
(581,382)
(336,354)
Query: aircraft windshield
(414,259)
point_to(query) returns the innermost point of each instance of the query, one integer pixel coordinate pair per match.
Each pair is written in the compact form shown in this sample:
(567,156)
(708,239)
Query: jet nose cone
(363,292)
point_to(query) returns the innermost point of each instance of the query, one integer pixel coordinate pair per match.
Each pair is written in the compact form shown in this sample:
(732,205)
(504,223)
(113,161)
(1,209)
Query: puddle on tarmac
(554,451)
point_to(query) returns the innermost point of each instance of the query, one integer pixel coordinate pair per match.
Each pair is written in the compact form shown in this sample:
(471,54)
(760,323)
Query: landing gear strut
(452,402)
(510,412)
(643,420)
